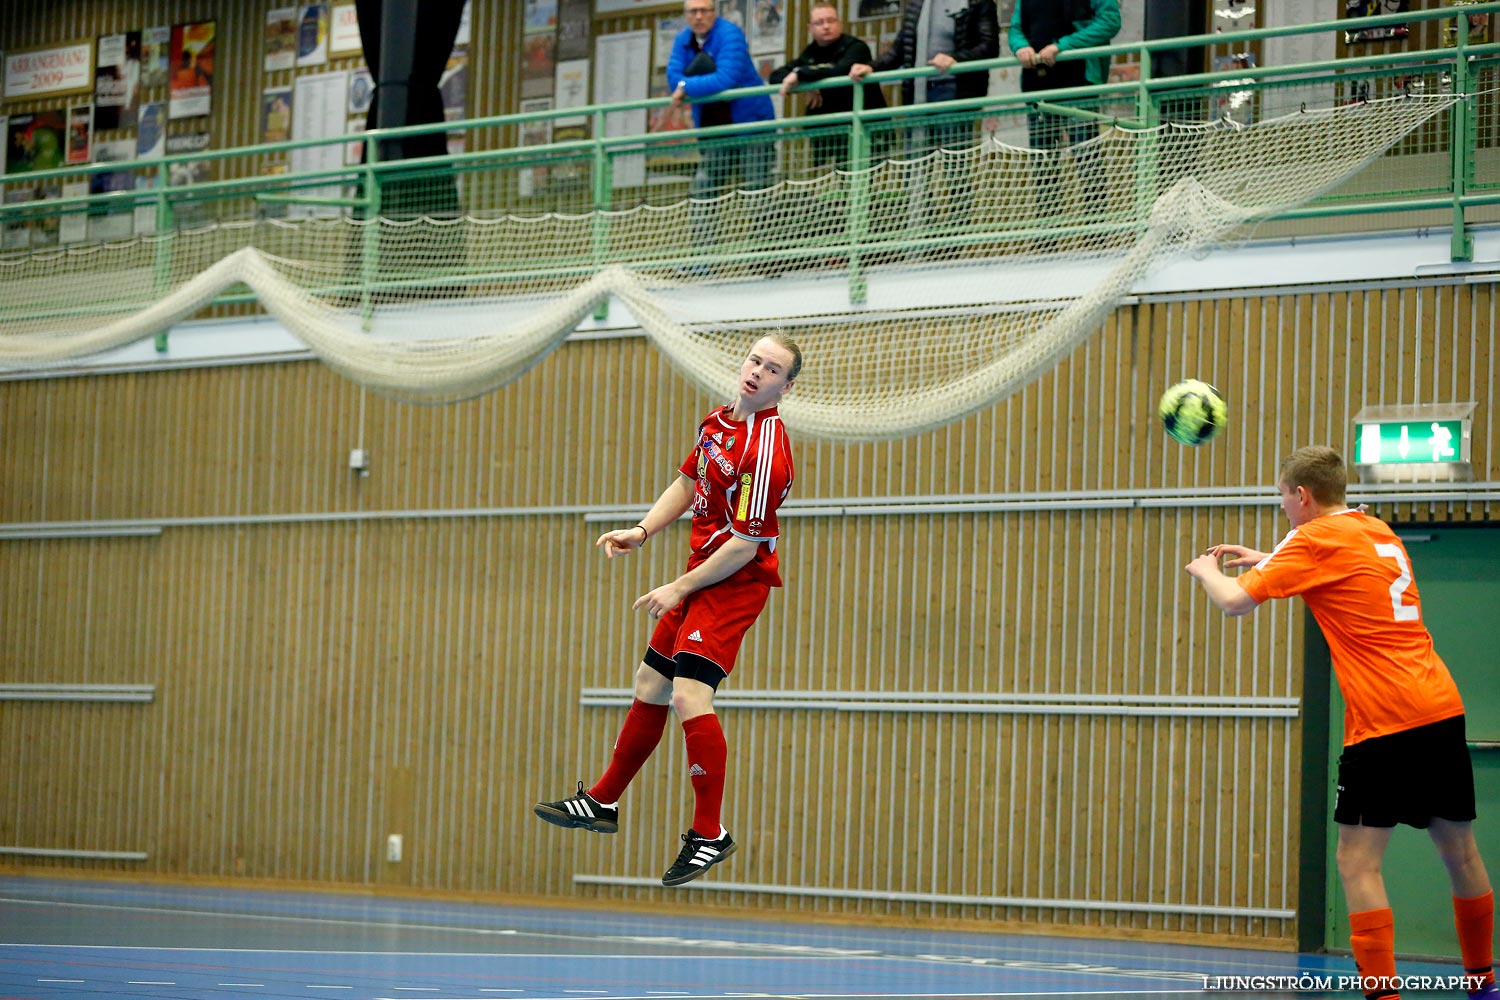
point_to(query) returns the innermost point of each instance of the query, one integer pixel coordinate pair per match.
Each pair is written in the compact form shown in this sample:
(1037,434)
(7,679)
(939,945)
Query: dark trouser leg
(716,165)
(1046,132)
(957,206)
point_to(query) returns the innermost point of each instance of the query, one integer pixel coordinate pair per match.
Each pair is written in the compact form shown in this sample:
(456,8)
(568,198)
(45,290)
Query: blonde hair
(1320,470)
(782,340)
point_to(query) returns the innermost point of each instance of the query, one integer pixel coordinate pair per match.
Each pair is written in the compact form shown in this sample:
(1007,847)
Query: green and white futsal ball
(1192,411)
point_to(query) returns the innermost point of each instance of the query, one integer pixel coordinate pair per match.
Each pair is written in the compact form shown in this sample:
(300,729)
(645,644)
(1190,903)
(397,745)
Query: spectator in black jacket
(941,34)
(831,53)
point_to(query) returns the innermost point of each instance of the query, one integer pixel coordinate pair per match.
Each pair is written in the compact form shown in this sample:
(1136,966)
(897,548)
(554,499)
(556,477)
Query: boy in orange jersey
(1405,757)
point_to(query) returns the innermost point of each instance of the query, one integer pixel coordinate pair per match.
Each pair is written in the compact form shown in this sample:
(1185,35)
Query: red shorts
(700,638)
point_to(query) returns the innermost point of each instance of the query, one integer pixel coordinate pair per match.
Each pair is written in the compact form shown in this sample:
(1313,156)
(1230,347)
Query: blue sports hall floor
(74,938)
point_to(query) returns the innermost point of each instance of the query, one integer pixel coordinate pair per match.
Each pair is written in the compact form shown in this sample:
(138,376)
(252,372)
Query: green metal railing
(578,176)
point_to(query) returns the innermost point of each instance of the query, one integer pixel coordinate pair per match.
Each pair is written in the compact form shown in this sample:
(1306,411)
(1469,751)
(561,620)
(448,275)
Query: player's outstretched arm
(724,563)
(1236,556)
(672,504)
(1223,590)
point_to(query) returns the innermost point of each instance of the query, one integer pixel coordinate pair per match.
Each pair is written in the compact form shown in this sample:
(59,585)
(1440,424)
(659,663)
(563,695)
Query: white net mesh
(983,263)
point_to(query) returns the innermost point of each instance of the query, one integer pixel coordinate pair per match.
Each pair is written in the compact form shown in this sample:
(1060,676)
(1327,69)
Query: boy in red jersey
(1405,757)
(739,471)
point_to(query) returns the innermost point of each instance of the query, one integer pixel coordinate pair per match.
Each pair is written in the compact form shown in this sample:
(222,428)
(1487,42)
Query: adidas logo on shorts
(696,636)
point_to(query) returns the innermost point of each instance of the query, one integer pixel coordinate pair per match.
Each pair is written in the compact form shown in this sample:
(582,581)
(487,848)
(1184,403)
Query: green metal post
(1461,247)
(369,265)
(603,201)
(164,244)
(1147,115)
(859,197)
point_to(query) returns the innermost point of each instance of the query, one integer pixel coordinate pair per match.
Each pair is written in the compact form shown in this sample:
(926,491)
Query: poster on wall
(361,91)
(530,181)
(574,28)
(17,230)
(1232,15)
(626,6)
(117,81)
(1369,8)
(736,12)
(767,31)
(1479,26)
(354,152)
(281,39)
(623,62)
(35,141)
(1234,100)
(312,35)
(190,212)
(539,15)
(319,100)
(343,31)
(876,8)
(276,114)
(65,69)
(667,30)
(572,91)
(192,70)
(151,133)
(144,215)
(538,63)
(74,226)
(156,46)
(80,133)
(119,222)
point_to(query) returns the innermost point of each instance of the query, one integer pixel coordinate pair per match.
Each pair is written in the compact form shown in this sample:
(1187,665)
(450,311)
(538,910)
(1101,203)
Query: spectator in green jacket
(1040,31)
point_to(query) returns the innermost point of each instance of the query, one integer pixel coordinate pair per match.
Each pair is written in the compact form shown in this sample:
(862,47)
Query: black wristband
(644,533)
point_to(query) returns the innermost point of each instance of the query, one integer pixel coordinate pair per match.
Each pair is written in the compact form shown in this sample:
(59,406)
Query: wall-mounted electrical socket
(393,847)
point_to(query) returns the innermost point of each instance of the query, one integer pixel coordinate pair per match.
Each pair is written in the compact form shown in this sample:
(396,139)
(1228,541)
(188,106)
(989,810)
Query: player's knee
(651,687)
(1455,844)
(689,704)
(1355,862)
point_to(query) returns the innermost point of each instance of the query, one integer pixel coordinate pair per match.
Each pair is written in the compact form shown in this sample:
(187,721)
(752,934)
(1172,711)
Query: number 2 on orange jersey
(1404,612)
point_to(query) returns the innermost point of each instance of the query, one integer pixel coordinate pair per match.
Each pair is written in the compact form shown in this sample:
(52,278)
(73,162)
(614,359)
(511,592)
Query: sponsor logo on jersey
(744,507)
(708,450)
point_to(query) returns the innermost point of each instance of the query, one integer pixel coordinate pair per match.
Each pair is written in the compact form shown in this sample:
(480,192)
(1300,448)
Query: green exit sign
(1409,441)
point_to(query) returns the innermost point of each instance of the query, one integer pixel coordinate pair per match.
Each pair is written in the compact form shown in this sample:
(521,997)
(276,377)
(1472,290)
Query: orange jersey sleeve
(1356,578)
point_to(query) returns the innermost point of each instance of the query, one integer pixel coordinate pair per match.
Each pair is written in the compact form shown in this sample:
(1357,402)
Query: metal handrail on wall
(1146,95)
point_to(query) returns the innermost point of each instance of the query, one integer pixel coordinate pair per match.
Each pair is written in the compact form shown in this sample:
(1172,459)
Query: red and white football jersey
(743,471)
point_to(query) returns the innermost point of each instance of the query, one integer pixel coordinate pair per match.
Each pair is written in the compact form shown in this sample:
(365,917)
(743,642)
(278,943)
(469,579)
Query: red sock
(706,753)
(1475,919)
(637,740)
(1372,934)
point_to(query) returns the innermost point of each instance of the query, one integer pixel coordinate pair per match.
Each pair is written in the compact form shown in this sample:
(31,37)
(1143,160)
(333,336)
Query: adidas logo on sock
(696,636)
(697,771)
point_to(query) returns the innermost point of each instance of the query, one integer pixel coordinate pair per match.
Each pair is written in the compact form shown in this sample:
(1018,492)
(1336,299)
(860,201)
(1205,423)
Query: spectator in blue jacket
(710,56)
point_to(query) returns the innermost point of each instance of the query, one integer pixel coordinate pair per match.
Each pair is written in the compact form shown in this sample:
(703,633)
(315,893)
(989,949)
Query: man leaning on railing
(831,53)
(1040,31)
(708,57)
(942,34)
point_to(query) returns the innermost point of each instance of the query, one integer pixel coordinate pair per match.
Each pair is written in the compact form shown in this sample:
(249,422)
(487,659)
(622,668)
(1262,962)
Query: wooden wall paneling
(303,666)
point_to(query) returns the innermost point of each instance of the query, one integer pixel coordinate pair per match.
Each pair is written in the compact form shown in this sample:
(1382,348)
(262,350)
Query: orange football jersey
(1355,576)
